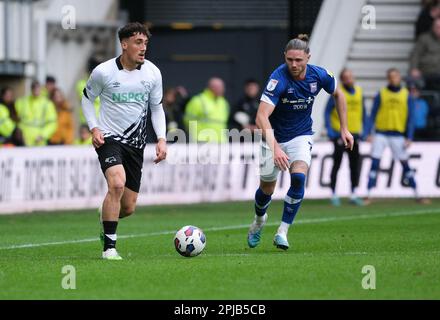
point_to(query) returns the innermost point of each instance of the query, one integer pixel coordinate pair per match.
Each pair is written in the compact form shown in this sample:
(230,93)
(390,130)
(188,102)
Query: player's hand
(280,158)
(407,143)
(347,139)
(161,151)
(97,138)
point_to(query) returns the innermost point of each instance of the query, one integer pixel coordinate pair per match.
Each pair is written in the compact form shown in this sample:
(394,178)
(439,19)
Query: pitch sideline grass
(330,246)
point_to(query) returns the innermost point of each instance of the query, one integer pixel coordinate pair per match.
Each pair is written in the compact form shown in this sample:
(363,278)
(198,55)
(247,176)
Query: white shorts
(396,143)
(297,149)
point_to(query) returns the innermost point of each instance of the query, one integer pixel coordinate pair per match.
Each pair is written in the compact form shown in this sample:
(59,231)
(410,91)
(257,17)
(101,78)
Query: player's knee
(127,210)
(268,188)
(116,187)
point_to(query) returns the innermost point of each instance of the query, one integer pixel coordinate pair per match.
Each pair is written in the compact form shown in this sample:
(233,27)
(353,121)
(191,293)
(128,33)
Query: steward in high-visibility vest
(85,137)
(38,117)
(206,114)
(49,88)
(7,125)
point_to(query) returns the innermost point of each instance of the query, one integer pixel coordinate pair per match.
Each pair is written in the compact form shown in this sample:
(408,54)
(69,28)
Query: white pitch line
(241,226)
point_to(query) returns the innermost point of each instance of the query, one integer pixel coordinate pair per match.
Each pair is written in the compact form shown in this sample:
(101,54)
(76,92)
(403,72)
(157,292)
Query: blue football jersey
(293,100)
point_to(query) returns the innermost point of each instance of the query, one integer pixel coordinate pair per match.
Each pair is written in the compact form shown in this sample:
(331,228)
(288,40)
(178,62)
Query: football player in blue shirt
(284,116)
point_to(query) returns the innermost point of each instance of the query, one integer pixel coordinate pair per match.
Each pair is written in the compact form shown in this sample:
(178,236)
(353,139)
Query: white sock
(260,219)
(284,228)
(416,194)
(353,194)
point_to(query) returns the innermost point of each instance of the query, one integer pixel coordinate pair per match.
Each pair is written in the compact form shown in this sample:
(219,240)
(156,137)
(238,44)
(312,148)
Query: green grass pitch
(329,248)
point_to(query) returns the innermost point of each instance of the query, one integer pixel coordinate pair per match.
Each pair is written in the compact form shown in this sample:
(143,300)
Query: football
(189,241)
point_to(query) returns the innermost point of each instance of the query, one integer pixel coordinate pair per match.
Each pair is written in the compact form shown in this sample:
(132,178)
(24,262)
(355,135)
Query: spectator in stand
(421,112)
(50,86)
(206,114)
(7,103)
(245,111)
(65,131)
(425,58)
(429,12)
(173,111)
(38,117)
(85,137)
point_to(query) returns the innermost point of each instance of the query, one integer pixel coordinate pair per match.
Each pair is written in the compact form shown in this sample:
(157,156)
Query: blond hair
(301,42)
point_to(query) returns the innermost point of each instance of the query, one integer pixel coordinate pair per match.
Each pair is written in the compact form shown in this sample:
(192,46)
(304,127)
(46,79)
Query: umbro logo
(110,160)
(116,84)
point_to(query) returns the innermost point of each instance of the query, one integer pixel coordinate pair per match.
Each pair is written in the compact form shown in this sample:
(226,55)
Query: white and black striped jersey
(125,97)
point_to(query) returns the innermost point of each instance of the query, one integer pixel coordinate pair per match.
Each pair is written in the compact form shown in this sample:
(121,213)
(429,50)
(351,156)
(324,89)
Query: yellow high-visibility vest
(7,126)
(354,111)
(393,110)
(206,117)
(38,118)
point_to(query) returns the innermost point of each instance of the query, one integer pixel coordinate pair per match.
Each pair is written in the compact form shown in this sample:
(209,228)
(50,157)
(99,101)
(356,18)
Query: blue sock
(262,202)
(372,177)
(294,197)
(408,174)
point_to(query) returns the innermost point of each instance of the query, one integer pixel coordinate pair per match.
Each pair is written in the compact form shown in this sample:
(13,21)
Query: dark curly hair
(130,29)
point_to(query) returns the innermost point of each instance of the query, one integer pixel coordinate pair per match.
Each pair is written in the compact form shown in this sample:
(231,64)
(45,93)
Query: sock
(110,234)
(408,175)
(353,193)
(372,177)
(100,213)
(283,228)
(293,199)
(260,219)
(262,202)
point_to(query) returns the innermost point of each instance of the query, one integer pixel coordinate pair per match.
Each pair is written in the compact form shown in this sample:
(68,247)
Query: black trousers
(353,157)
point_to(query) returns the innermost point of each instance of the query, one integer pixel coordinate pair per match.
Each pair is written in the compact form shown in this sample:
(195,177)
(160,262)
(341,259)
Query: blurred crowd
(46,117)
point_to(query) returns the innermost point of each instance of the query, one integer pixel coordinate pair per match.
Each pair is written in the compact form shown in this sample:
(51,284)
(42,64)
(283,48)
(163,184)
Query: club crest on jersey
(110,160)
(313,87)
(272,85)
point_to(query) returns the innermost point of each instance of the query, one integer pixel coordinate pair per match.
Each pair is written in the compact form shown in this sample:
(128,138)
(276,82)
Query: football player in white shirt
(128,86)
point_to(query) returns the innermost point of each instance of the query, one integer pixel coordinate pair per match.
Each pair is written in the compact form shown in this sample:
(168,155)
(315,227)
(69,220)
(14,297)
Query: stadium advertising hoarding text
(69,177)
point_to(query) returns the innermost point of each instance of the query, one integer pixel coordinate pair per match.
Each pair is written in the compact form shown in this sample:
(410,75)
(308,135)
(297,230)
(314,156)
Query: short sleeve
(156,90)
(328,81)
(94,85)
(274,89)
